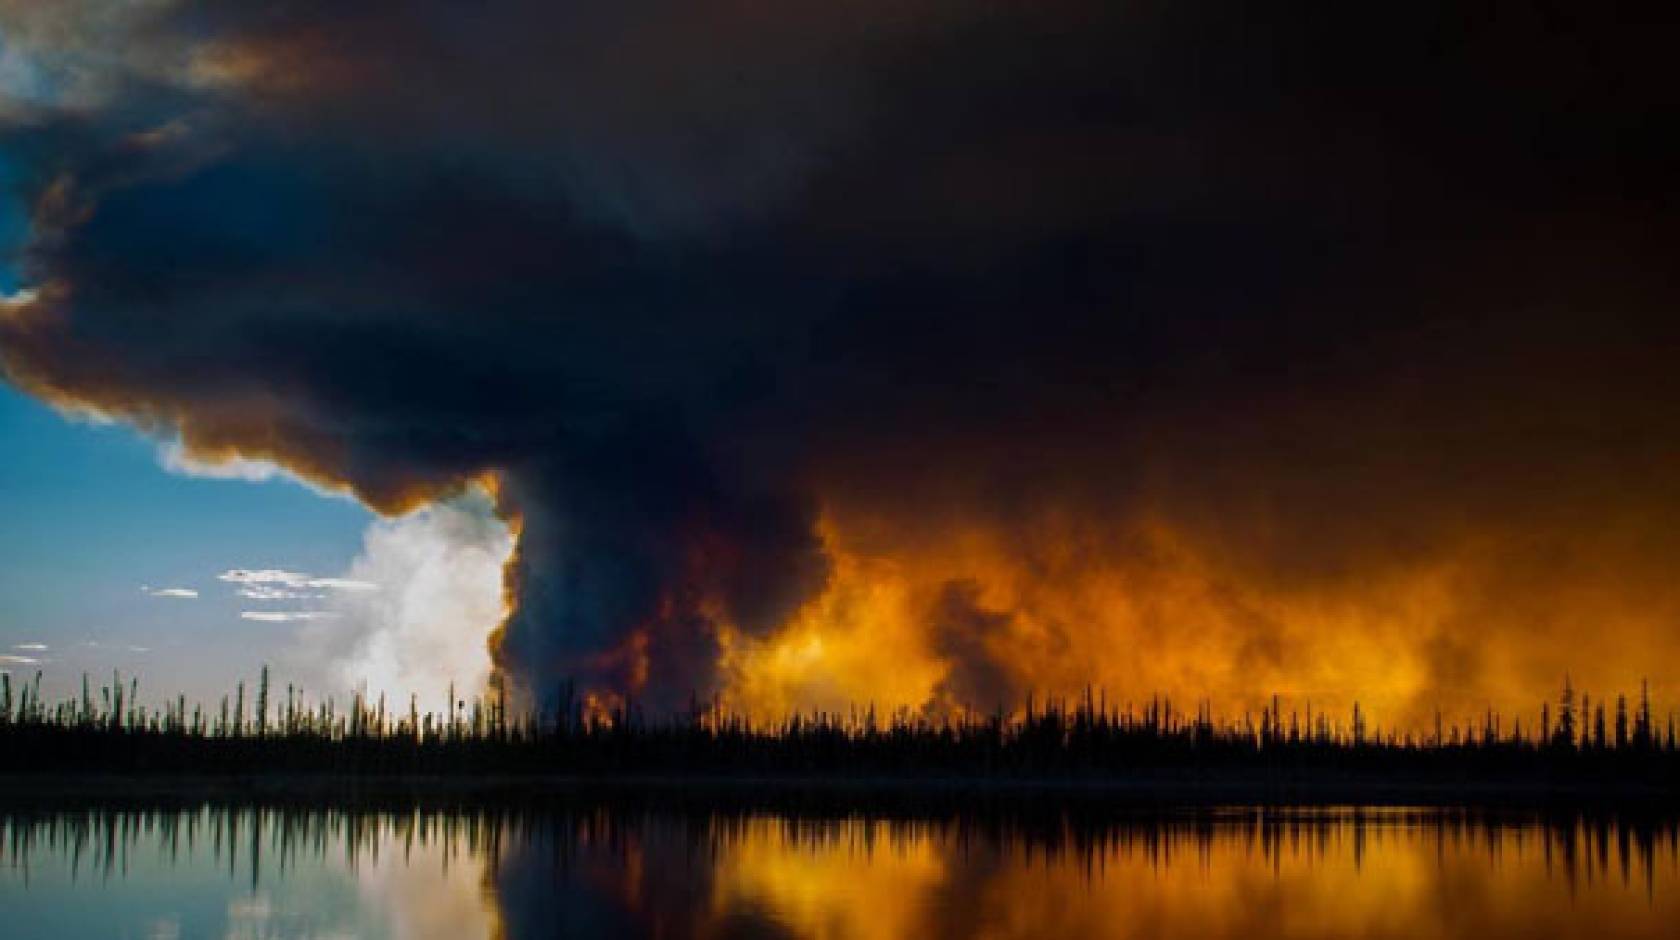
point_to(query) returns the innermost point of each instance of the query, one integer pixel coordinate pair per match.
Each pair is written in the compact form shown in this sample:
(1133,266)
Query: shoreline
(1143,790)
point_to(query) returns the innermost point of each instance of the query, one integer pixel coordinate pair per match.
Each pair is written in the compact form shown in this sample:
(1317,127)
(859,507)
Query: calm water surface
(278,874)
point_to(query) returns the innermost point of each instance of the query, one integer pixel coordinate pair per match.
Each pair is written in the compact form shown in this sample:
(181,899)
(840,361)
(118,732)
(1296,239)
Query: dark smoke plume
(1328,291)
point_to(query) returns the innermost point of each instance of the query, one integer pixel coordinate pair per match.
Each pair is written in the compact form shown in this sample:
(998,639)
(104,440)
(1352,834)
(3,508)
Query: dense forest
(1575,743)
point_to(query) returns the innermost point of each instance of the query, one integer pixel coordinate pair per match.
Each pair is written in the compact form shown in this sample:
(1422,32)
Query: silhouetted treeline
(1578,743)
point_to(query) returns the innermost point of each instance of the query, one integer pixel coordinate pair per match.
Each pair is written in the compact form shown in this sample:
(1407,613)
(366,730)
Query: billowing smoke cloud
(1196,346)
(427,590)
(963,633)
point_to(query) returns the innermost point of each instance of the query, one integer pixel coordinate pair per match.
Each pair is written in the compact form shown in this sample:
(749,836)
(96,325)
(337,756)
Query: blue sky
(88,515)
(90,518)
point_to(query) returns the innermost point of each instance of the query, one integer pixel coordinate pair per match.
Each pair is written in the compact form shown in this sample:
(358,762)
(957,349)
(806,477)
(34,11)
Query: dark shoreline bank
(842,794)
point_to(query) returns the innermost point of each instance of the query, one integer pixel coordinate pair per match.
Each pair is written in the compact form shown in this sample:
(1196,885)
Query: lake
(602,868)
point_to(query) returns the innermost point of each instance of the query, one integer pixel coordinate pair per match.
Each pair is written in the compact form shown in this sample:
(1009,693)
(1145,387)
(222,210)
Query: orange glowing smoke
(1063,606)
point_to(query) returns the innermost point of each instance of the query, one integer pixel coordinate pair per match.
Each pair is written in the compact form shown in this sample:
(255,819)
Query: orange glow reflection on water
(596,871)
(1374,874)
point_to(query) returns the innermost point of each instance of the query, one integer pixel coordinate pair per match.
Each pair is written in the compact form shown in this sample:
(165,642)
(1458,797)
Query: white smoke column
(438,573)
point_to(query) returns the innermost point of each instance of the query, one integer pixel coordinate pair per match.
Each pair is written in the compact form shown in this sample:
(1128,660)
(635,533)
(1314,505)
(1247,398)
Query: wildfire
(980,618)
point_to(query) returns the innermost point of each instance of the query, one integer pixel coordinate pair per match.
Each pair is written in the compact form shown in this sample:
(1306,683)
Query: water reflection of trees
(250,839)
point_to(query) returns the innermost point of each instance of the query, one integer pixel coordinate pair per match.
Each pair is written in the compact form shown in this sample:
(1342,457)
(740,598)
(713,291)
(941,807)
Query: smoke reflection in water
(599,871)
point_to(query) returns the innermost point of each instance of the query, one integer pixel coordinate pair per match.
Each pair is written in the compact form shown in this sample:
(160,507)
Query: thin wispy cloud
(271,583)
(32,647)
(9,660)
(343,584)
(286,616)
(264,592)
(262,576)
(186,593)
(280,584)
